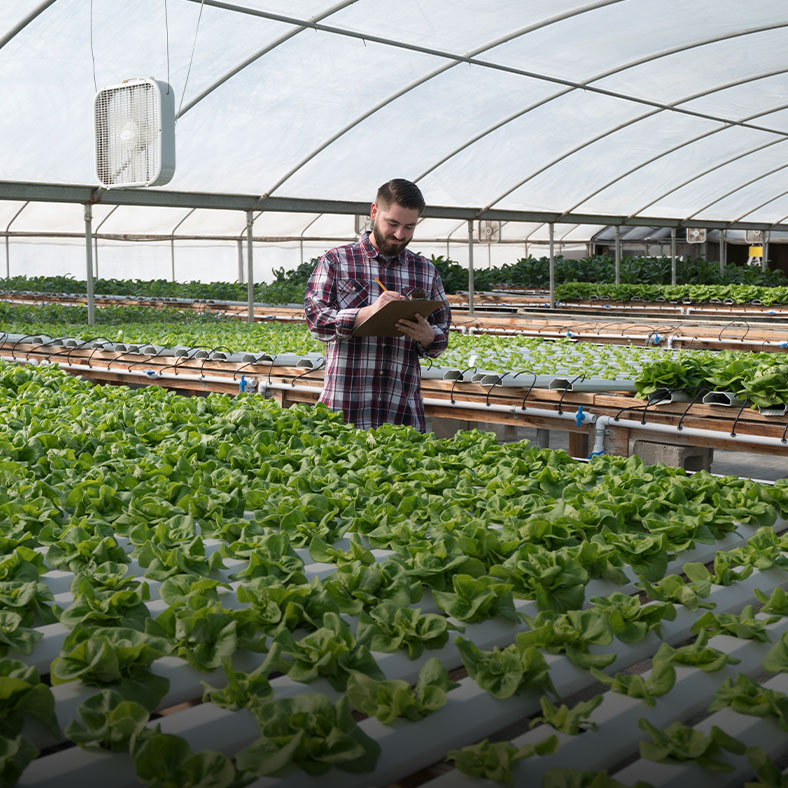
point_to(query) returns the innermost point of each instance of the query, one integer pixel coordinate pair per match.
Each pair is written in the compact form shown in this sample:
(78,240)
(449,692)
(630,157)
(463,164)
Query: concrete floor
(755,466)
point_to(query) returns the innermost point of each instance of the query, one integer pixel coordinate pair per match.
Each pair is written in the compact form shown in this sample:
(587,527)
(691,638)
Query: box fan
(135,133)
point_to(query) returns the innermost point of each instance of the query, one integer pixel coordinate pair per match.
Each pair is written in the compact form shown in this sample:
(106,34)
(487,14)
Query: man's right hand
(384,298)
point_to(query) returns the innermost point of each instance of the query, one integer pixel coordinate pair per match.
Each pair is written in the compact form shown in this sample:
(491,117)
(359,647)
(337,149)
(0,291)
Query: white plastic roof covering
(649,112)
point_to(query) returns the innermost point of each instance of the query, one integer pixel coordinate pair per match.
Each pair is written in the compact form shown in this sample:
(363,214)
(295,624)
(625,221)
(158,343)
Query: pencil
(382,286)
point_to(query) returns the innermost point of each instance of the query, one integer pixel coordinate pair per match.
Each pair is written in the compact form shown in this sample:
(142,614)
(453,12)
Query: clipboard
(381,324)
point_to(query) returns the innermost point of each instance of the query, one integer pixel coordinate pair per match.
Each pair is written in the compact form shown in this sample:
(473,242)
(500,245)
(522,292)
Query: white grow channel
(470,713)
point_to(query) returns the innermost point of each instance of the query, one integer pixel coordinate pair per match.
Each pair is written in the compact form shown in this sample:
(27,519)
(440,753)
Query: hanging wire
(98,347)
(457,380)
(18,341)
(119,356)
(148,359)
(308,372)
(733,323)
(218,348)
(79,346)
(530,388)
(167,40)
(738,416)
(270,368)
(191,59)
(700,393)
(188,356)
(51,343)
(253,362)
(489,391)
(580,377)
(92,55)
(644,408)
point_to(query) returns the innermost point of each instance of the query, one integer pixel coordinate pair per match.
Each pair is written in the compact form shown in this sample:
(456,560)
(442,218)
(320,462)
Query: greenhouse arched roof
(644,112)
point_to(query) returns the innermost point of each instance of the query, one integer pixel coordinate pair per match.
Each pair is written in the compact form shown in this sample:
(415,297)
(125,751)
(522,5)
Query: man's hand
(384,298)
(417,329)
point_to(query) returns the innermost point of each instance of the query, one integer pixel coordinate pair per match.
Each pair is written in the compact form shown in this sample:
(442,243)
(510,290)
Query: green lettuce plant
(388,700)
(109,722)
(311,732)
(113,656)
(494,760)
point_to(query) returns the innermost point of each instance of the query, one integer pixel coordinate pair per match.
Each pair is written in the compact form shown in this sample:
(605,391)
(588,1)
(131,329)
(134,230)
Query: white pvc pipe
(517,410)
(601,423)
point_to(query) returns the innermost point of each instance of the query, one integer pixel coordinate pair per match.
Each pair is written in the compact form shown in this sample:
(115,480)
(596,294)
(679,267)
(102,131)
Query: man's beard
(388,248)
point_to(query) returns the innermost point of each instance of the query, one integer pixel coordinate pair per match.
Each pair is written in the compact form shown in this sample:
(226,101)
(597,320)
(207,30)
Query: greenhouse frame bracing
(562,114)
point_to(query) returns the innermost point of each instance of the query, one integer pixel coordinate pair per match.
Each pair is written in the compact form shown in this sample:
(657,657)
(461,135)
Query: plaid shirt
(372,380)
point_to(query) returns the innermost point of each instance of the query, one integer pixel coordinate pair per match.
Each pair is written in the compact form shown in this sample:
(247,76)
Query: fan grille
(128,123)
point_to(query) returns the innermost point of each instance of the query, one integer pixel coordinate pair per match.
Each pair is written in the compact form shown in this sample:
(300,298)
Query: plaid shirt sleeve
(324,319)
(440,320)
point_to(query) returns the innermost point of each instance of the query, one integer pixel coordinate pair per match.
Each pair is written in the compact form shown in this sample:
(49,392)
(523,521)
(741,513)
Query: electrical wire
(167,40)
(191,59)
(92,55)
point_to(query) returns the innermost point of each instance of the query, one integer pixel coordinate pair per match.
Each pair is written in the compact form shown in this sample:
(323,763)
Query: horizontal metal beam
(160,198)
(161,237)
(158,237)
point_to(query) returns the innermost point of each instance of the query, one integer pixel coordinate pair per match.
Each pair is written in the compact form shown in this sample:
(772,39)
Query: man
(373,380)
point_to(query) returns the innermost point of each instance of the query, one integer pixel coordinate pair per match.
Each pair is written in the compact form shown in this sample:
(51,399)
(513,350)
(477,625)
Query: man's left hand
(417,329)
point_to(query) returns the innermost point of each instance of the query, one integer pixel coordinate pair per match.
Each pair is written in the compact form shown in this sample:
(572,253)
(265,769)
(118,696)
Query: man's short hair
(401,192)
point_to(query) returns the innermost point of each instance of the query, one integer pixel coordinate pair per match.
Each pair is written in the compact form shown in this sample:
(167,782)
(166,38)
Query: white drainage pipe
(515,410)
(602,422)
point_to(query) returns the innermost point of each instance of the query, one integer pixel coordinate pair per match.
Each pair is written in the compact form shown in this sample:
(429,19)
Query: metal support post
(723,252)
(7,241)
(172,240)
(240,245)
(673,255)
(301,238)
(250,265)
(618,254)
(765,258)
(551,228)
(89,262)
(95,238)
(470,267)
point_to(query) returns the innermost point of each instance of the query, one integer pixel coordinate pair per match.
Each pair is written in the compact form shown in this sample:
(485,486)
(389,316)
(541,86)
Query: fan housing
(135,133)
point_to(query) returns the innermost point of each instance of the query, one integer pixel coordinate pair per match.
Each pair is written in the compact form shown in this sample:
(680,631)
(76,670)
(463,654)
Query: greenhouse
(573,575)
